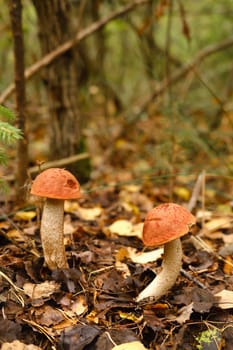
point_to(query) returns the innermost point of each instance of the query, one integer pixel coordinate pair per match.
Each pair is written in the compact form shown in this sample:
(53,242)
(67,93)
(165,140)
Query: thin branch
(182,72)
(60,50)
(53,163)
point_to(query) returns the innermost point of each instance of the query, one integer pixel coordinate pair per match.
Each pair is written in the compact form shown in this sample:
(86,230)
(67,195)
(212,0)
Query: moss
(209,339)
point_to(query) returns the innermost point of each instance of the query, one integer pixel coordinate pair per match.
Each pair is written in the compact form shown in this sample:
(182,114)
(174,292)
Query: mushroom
(165,224)
(55,185)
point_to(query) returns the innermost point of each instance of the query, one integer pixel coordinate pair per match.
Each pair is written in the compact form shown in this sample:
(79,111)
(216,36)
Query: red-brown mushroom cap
(56,183)
(165,223)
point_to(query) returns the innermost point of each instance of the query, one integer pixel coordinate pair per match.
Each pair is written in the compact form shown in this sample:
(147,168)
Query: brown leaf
(78,336)
(9,330)
(202,300)
(42,290)
(48,316)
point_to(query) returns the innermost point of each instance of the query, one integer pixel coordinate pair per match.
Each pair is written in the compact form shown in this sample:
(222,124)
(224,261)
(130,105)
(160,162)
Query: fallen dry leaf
(48,316)
(15,235)
(184,313)
(70,206)
(42,290)
(217,223)
(69,229)
(182,192)
(144,257)
(134,345)
(79,306)
(120,266)
(121,227)
(228,265)
(78,336)
(25,215)
(130,316)
(17,345)
(89,213)
(224,299)
(126,228)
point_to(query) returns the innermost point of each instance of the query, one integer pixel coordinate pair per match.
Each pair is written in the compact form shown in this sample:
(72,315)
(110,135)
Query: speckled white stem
(171,266)
(52,237)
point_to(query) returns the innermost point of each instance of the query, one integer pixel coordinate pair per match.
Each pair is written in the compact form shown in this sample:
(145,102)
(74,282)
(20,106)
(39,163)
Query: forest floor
(92,304)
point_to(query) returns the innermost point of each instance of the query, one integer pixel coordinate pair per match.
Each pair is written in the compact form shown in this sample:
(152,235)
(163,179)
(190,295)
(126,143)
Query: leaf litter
(92,304)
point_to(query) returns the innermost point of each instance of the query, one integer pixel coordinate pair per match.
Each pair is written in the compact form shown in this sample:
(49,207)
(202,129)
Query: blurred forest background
(143,88)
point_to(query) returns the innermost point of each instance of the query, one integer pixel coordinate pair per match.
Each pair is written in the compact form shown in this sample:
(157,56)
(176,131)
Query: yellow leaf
(70,206)
(224,208)
(92,317)
(121,227)
(132,188)
(25,215)
(121,254)
(130,316)
(126,228)
(182,193)
(16,235)
(218,223)
(89,213)
(68,322)
(228,265)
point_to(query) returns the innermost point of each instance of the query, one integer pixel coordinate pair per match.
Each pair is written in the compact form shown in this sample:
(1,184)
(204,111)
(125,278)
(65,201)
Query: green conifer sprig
(9,134)
(7,113)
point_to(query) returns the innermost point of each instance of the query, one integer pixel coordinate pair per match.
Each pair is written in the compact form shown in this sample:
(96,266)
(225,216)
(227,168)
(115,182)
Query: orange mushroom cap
(56,183)
(165,223)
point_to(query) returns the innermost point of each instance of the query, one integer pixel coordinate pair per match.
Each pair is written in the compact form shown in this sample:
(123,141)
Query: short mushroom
(55,185)
(165,224)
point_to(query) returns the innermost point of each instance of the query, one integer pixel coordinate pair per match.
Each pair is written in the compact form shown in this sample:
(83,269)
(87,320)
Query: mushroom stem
(171,266)
(52,234)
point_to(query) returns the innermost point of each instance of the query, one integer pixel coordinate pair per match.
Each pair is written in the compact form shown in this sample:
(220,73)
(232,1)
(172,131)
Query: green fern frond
(8,133)
(7,113)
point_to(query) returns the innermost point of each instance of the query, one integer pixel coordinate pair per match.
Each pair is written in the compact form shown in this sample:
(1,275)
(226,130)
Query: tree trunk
(60,78)
(22,147)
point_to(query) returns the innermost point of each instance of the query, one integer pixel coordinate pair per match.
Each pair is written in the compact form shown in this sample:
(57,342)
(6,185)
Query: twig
(203,188)
(41,329)
(16,290)
(193,279)
(182,72)
(212,93)
(196,192)
(53,163)
(110,338)
(60,50)
(17,228)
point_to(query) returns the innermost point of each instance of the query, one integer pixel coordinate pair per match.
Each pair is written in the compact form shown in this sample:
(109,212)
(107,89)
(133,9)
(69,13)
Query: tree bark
(60,78)
(20,98)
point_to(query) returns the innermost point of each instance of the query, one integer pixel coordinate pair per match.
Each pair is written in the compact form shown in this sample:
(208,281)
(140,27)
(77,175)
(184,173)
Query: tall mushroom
(55,185)
(165,224)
